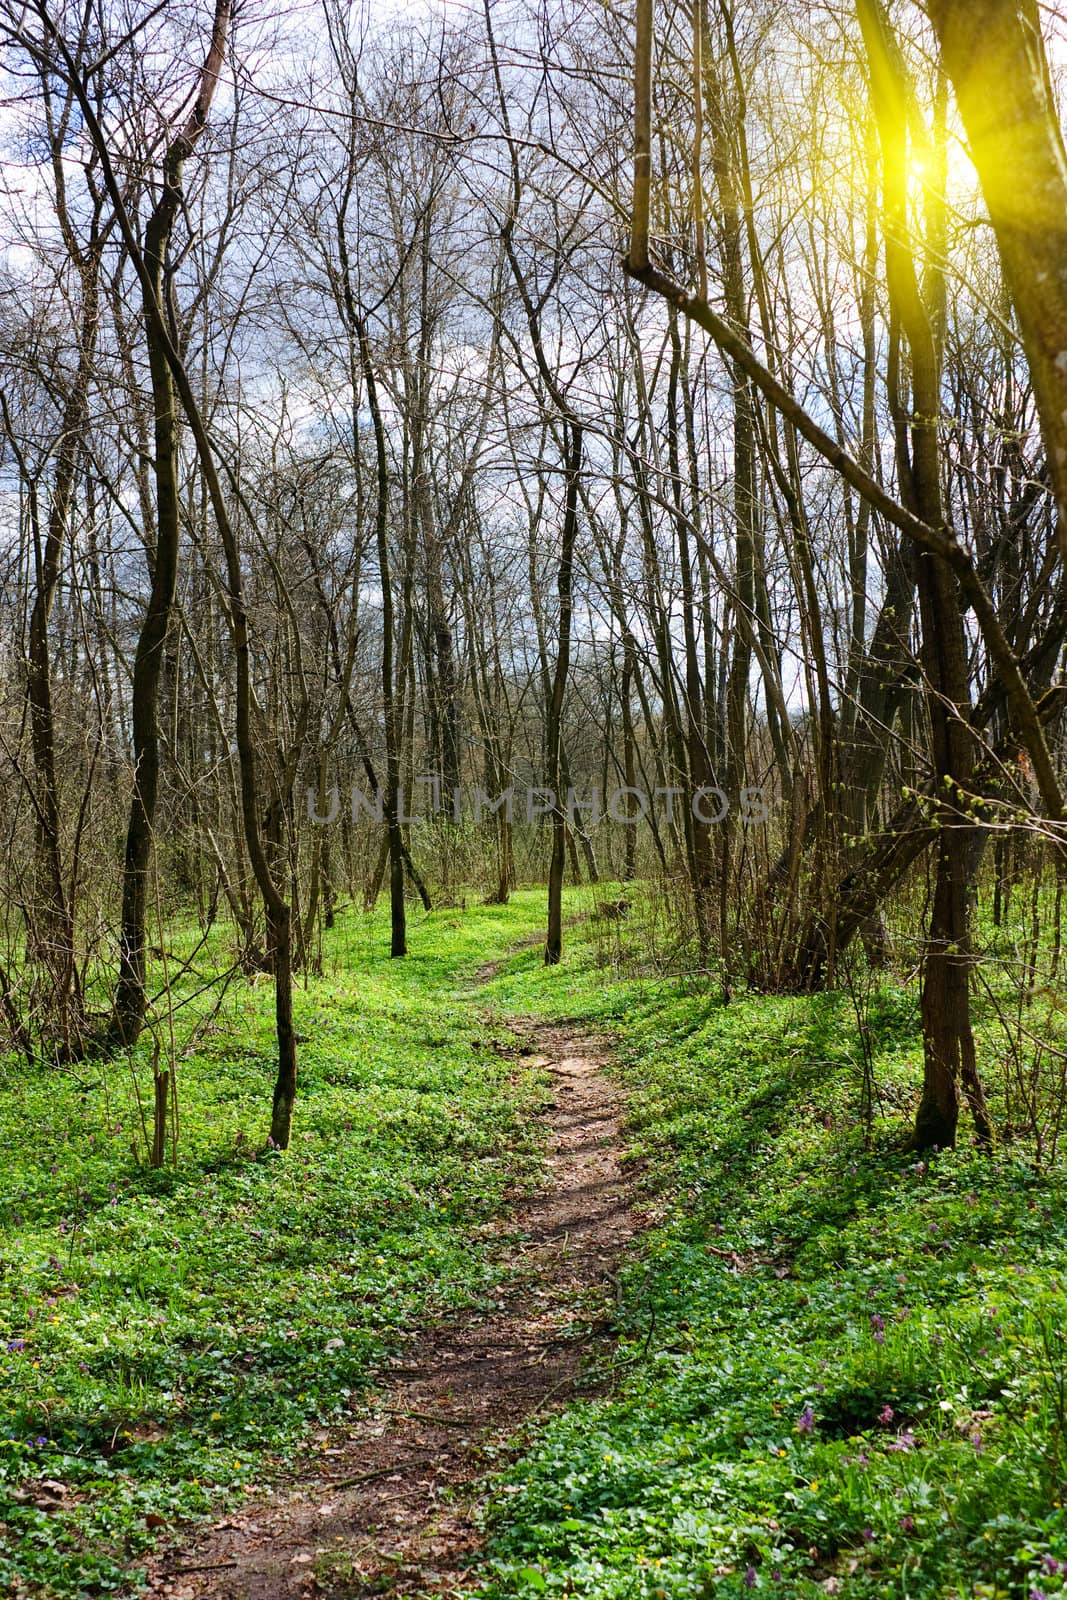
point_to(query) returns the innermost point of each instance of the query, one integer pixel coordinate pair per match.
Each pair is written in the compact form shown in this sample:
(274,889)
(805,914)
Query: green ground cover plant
(843,1368)
(169,1335)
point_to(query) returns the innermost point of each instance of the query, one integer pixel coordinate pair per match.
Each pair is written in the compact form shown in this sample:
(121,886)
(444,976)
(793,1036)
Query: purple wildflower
(868,1535)
(976,1440)
(907,1524)
(885,1416)
(806,1420)
(878,1327)
(903,1441)
(750,1577)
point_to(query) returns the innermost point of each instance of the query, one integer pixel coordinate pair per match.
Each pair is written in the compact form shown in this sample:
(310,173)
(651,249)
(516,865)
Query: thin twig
(427,1416)
(208,1566)
(379,1472)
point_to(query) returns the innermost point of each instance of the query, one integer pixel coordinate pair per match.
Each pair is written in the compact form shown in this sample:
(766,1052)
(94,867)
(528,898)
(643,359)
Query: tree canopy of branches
(401,484)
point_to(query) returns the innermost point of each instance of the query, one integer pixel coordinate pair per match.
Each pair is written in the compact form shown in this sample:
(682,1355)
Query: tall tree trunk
(699,772)
(629,759)
(53,932)
(276,908)
(391,800)
(52,928)
(994,53)
(949,1055)
(572,459)
(130,995)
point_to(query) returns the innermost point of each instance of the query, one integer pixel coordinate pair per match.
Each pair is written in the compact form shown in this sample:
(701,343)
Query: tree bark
(949,1055)
(572,458)
(994,53)
(130,1000)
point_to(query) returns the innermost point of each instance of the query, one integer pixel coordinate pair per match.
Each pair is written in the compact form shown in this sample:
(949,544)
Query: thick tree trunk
(277,911)
(994,53)
(279,947)
(52,927)
(130,995)
(948,1041)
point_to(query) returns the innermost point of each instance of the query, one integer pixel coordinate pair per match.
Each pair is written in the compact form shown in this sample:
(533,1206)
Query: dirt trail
(395,1515)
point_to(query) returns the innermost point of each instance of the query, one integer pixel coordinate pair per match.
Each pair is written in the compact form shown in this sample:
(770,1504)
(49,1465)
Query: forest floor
(394,1514)
(430,1350)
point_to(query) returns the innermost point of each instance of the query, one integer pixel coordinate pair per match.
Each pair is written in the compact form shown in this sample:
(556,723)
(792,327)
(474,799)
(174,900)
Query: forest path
(397,1514)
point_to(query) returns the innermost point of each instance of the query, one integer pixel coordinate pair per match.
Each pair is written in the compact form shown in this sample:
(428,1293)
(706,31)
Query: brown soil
(395,1511)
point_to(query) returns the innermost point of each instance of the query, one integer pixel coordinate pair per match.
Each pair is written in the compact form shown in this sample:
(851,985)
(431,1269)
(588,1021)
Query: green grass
(167,1337)
(841,1370)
